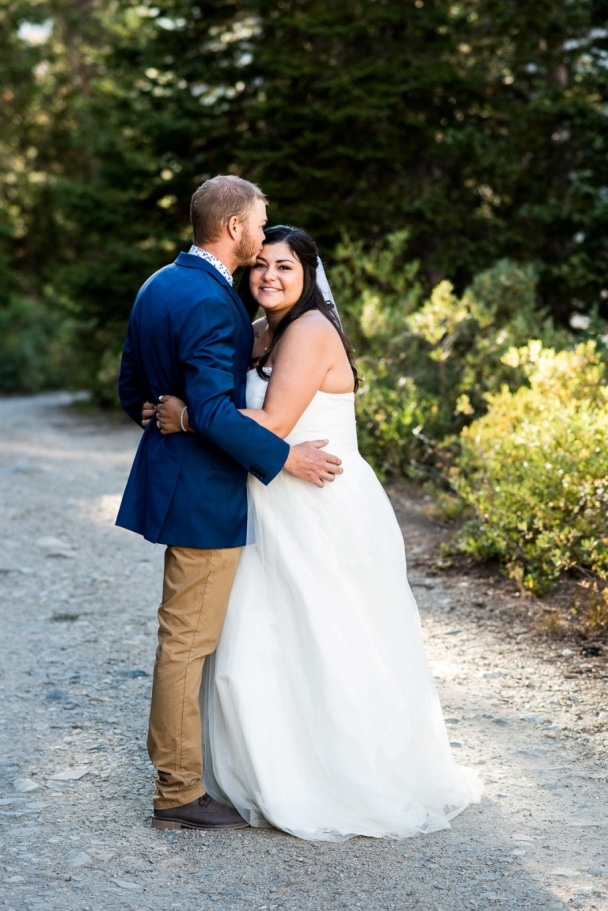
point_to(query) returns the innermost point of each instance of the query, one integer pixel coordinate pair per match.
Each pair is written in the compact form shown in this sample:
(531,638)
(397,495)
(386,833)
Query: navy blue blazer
(189,335)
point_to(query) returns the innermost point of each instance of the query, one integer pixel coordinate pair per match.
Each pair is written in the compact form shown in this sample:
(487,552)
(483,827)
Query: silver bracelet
(181,418)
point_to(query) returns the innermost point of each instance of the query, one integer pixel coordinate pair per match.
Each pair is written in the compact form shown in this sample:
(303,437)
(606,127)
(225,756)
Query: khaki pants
(196,589)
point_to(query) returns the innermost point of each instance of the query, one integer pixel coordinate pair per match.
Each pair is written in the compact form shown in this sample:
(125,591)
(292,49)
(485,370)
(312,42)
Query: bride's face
(277,279)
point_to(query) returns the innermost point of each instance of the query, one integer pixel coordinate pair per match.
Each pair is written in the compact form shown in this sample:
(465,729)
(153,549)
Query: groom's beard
(247,249)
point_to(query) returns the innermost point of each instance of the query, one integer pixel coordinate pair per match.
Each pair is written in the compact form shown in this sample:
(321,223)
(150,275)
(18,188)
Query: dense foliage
(37,349)
(514,431)
(428,362)
(451,157)
(479,127)
(535,468)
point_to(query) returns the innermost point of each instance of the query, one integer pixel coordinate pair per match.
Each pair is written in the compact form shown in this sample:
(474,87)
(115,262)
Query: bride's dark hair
(304,248)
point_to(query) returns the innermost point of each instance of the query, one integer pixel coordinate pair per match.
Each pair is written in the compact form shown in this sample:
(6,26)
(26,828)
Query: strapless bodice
(330,416)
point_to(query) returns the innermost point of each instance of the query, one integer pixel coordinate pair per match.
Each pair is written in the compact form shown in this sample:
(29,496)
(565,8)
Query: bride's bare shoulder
(313,324)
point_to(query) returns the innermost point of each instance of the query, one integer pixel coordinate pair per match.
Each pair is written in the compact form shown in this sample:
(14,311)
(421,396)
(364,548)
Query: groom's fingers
(331,466)
(329,458)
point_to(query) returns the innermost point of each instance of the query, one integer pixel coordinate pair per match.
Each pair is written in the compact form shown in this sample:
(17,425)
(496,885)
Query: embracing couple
(289,651)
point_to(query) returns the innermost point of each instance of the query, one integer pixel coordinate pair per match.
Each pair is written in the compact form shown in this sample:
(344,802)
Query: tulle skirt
(321,715)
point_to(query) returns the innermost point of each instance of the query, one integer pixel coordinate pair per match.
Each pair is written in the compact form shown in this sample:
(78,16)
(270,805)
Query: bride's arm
(301,362)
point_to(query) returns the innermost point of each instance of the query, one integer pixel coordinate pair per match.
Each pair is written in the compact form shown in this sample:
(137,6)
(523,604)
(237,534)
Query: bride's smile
(277,279)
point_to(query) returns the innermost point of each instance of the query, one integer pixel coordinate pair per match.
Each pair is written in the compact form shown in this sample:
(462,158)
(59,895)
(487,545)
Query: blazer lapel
(196,262)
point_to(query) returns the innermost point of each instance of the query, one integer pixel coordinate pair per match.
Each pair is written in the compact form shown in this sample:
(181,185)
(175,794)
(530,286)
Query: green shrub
(535,469)
(428,365)
(37,348)
(375,289)
(104,384)
(390,420)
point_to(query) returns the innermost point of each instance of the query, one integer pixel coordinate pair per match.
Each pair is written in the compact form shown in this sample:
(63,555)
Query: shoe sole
(179,824)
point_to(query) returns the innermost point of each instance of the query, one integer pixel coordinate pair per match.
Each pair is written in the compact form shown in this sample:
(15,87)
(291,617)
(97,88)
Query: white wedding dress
(321,715)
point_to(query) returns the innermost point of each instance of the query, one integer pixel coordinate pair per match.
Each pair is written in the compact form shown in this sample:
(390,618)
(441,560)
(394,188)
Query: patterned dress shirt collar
(213,261)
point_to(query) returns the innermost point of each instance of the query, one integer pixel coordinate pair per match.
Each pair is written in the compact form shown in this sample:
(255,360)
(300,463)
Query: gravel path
(78,607)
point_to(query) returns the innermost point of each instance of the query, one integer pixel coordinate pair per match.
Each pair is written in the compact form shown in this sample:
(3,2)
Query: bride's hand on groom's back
(166,414)
(171,415)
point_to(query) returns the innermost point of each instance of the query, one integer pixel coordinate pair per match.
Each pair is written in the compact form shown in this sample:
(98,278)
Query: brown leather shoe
(204,813)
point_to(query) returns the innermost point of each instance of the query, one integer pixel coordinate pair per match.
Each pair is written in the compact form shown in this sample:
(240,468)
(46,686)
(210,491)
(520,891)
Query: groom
(189,334)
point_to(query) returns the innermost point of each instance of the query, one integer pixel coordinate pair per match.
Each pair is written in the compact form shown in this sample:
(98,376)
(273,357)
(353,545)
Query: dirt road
(78,606)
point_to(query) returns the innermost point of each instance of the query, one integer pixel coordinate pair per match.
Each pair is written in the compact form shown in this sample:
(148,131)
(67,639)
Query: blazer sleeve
(207,349)
(132,389)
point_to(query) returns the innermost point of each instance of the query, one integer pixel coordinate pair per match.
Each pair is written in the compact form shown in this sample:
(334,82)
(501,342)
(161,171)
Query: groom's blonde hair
(216,201)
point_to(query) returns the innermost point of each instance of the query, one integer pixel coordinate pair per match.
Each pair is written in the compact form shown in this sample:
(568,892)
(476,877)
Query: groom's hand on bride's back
(310,462)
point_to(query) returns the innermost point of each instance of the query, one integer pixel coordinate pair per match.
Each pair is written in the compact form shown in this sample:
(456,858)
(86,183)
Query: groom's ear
(234,223)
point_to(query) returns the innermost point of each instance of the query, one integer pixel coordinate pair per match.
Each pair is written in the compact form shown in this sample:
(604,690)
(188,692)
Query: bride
(321,714)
